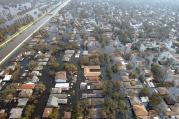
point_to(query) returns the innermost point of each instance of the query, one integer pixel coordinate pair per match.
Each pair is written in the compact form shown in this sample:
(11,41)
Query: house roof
(89,73)
(56,90)
(25,93)
(60,75)
(135,100)
(47,112)
(62,85)
(125,78)
(28,86)
(175,109)
(163,90)
(22,101)
(52,101)
(144,99)
(140,110)
(169,100)
(67,115)
(69,51)
(7,78)
(60,96)
(62,101)
(15,113)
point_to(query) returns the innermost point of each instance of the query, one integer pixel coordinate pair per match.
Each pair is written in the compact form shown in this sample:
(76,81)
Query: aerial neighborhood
(96,59)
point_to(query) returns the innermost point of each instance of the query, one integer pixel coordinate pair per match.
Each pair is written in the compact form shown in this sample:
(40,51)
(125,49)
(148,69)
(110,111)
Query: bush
(129,66)
(109,72)
(155,99)
(133,75)
(84,61)
(53,63)
(115,68)
(144,92)
(158,72)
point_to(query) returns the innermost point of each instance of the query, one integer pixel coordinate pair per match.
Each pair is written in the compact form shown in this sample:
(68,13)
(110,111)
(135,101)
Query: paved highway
(18,41)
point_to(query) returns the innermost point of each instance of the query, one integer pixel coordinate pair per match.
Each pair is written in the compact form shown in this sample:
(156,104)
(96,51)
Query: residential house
(94,94)
(62,101)
(60,77)
(47,112)
(25,93)
(140,111)
(68,55)
(56,91)
(15,113)
(63,86)
(36,73)
(52,102)
(149,45)
(67,115)
(34,79)
(85,53)
(92,72)
(83,85)
(27,86)
(169,100)
(174,111)
(174,93)
(7,78)
(22,102)
(163,90)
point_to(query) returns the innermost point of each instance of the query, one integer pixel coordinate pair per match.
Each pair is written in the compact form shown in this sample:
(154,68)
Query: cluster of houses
(59,95)
(69,53)
(91,88)
(142,53)
(26,81)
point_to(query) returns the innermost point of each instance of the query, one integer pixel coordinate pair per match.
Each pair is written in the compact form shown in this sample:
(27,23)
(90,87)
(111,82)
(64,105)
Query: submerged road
(18,41)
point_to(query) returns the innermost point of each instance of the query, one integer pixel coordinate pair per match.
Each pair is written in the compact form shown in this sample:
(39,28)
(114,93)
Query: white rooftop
(7,78)
(62,85)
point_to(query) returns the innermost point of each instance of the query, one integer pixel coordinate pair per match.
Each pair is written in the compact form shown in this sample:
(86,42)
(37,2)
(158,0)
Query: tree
(94,59)
(84,108)
(41,47)
(53,63)
(115,68)
(109,72)
(70,67)
(104,58)
(17,72)
(116,96)
(29,110)
(107,87)
(129,66)
(32,64)
(117,85)
(77,111)
(109,107)
(142,78)
(72,46)
(54,114)
(54,50)
(123,108)
(40,87)
(84,61)
(133,75)
(144,92)
(155,99)
(9,92)
(158,72)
